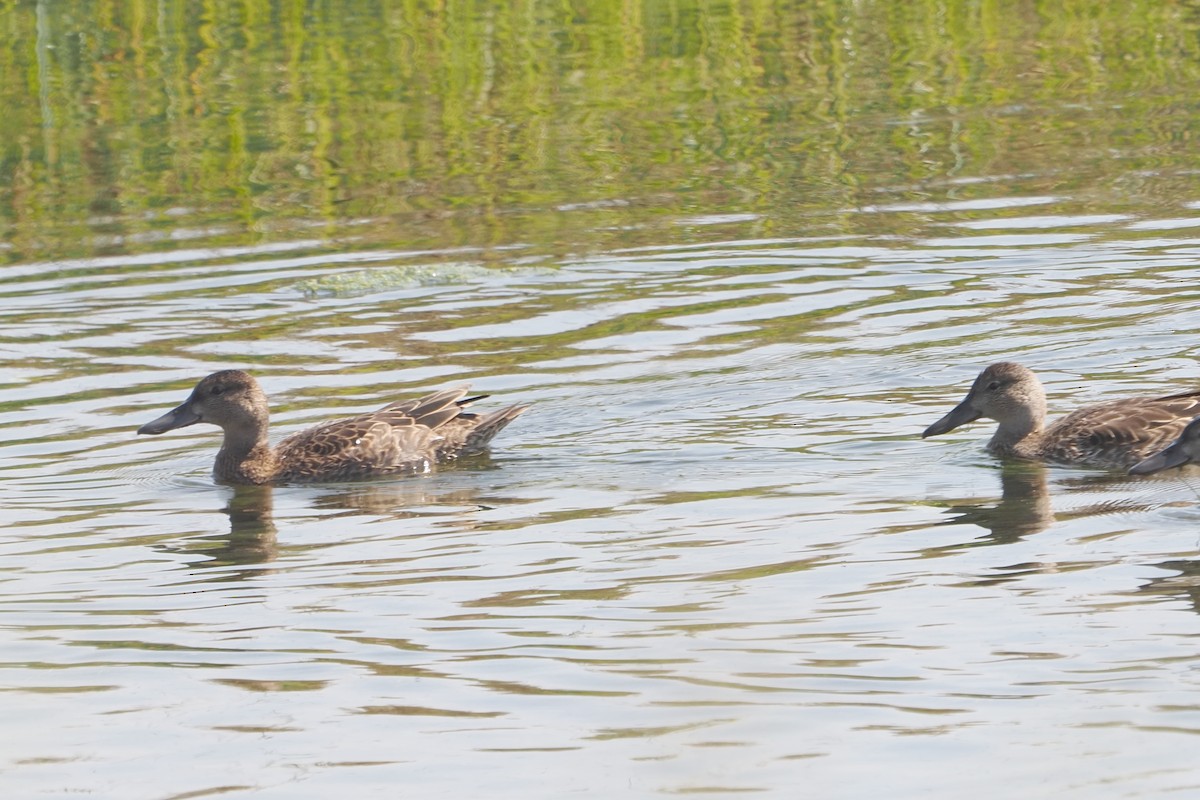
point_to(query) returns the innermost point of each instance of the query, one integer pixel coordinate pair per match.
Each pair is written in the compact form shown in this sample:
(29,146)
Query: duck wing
(469,434)
(400,438)
(1122,432)
(460,433)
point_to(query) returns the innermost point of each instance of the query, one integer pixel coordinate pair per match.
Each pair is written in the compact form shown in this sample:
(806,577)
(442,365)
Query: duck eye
(993,386)
(217,390)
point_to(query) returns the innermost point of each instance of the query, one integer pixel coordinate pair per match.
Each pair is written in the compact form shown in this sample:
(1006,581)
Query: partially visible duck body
(1116,434)
(1184,450)
(402,438)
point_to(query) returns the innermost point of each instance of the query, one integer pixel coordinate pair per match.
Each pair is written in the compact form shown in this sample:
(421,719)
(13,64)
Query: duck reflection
(399,499)
(1024,506)
(1183,583)
(252,537)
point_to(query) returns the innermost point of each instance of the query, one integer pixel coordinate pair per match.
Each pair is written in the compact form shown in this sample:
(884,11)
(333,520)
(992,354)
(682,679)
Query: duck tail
(487,427)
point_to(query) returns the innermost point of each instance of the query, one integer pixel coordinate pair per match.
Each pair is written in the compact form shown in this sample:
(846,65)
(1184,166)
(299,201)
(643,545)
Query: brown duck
(402,438)
(1118,433)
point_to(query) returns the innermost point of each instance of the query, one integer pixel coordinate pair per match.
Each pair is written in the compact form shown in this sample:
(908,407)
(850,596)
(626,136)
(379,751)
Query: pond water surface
(714,557)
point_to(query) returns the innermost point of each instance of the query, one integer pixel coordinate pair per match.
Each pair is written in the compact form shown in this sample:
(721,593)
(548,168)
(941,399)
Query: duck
(402,438)
(1116,434)
(1184,450)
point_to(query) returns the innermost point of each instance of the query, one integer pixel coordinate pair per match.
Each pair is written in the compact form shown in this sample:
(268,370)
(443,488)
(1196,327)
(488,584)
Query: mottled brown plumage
(1118,433)
(1184,450)
(402,438)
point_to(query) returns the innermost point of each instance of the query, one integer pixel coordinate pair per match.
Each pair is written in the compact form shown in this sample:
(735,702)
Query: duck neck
(245,456)
(1019,434)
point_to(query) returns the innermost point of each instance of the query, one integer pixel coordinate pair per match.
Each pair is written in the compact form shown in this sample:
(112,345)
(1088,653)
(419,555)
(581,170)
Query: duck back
(1120,433)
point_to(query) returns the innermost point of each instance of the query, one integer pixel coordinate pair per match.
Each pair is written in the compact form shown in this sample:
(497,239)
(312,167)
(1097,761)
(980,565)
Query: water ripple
(717,519)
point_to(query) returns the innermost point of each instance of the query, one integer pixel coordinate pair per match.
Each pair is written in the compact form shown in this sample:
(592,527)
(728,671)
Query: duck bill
(961,415)
(1173,456)
(179,417)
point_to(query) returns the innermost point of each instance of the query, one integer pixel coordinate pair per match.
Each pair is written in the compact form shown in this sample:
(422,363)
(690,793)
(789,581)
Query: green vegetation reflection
(143,125)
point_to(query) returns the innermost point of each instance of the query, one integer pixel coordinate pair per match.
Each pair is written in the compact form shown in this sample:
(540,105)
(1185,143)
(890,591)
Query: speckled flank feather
(1118,433)
(1184,450)
(401,438)
(1121,432)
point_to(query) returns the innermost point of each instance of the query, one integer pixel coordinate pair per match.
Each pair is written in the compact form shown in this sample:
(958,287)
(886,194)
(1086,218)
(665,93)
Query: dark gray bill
(960,415)
(179,417)
(1173,456)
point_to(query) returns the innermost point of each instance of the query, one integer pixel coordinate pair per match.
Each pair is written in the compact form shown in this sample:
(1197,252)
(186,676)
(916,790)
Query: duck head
(1006,392)
(230,398)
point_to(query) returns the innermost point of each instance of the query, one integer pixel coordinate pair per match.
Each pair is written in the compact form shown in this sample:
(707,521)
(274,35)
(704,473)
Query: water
(715,557)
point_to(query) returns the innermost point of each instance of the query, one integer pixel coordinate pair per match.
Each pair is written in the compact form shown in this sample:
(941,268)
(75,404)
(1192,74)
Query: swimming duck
(1183,450)
(1118,433)
(401,438)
